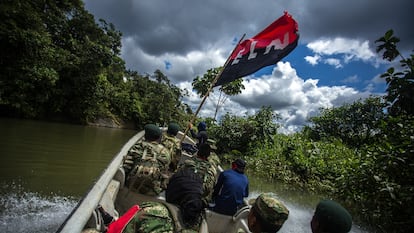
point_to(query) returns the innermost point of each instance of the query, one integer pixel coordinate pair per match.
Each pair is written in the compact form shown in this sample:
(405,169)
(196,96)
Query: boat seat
(107,202)
(120,176)
(220,223)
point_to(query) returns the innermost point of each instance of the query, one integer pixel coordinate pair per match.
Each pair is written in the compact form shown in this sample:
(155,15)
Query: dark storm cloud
(160,26)
(180,26)
(368,19)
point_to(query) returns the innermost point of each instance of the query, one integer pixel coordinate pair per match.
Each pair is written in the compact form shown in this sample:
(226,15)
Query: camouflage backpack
(205,170)
(173,146)
(146,167)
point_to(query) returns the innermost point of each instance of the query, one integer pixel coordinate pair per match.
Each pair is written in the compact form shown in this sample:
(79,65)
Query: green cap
(152,131)
(271,209)
(173,129)
(333,217)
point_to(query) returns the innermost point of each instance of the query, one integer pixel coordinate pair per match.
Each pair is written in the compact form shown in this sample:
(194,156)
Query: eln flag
(266,48)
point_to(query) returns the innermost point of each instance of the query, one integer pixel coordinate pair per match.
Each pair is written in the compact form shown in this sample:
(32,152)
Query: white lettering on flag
(237,58)
(252,54)
(277,44)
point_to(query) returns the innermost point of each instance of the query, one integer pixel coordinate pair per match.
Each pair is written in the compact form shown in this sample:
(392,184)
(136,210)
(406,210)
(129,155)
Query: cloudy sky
(334,63)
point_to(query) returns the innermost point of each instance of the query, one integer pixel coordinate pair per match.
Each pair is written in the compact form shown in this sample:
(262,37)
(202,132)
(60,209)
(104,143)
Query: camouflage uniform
(207,172)
(154,164)
(270,209)
(151,217)
(173,145)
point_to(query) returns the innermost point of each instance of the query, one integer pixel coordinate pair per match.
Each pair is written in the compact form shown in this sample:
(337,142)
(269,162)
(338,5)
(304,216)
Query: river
(45,168)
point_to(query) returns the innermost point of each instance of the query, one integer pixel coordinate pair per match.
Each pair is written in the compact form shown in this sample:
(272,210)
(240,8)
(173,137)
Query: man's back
(229,191)
(153,217)
(148,173)
(206,172)
(173,145)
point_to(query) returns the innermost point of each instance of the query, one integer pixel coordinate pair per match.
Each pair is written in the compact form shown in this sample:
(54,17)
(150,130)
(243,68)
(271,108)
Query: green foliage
(355,124)
(239,133)
(159,101)
(357,152)
(387,176)
(296,159)
(400,81)
(56,60)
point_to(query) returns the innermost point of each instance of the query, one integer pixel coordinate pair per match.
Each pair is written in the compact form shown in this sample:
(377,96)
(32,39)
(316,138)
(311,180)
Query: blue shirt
(229,191)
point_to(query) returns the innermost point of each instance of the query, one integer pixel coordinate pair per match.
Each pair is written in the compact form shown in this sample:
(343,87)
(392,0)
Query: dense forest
(58,63)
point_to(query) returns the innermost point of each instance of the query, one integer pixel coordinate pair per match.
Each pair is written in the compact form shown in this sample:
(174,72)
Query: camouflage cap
(152,131)
(173,129)
(271,209)
(333,217)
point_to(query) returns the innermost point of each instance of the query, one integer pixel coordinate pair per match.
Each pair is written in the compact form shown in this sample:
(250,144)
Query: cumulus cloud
(313,60)
(290,96)
(336,51)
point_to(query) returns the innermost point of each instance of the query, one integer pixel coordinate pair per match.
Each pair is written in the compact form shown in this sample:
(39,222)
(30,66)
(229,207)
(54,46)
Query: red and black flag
(266,48)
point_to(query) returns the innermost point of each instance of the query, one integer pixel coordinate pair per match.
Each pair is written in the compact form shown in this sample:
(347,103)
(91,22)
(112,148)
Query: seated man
(184,190)
(146,164)
(203,168)
(147,217)
(231,188)
(172,143)
(331,217)
(267,214)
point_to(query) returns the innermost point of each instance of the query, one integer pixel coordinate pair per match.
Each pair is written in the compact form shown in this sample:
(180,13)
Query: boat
(110,193)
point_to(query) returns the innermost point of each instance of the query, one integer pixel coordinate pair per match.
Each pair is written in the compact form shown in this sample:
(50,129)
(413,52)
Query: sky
(334,63)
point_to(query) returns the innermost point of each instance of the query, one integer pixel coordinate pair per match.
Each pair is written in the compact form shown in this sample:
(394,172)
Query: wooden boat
(115,198)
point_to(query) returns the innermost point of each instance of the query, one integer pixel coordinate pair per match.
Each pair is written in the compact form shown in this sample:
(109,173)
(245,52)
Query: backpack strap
(175,214)
(132,175)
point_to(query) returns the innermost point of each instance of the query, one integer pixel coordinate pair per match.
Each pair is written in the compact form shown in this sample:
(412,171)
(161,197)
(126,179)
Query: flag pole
(209,90)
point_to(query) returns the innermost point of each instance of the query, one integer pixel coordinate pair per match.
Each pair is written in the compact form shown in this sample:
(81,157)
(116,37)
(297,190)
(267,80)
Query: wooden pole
(209,90)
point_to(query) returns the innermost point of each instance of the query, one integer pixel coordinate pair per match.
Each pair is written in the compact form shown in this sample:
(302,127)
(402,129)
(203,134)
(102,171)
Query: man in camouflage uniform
(205,170)
(146,164)
(172,143)
(213,158)
(149,217)
(331,217)
(267,214)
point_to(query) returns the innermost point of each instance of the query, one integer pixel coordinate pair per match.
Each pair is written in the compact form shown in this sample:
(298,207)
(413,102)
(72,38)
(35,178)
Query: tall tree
(400,81)
(355,124)
(202,85)
(56,60)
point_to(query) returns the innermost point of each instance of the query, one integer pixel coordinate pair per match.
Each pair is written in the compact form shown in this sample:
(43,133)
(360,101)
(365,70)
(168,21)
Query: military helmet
(270,209)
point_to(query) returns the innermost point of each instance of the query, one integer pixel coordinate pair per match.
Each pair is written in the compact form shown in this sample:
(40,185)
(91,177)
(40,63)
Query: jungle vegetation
(58,63)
